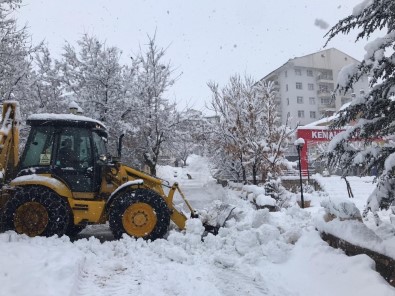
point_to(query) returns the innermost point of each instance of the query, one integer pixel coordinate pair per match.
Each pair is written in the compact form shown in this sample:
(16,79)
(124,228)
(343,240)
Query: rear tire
(36,210)
(140,213)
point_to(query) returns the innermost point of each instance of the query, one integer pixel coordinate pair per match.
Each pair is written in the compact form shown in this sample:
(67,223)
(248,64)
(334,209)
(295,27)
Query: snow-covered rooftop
(323,122)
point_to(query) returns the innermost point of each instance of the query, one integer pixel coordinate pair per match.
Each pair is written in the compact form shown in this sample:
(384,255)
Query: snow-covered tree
(93,74)
(249,131)
(156,117)
(276,136)
(16,55)
(223,165)
(371,116)
(229,132)
(189,135)
(47,90)
(95,79)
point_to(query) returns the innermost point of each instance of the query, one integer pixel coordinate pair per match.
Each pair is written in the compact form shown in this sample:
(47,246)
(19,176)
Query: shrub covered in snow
(341,208)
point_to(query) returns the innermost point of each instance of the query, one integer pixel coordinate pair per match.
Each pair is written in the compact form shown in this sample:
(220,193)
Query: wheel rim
(31,218)
(139,219)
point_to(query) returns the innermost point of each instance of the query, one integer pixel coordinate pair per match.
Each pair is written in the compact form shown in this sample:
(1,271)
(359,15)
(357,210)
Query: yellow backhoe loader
(65,180)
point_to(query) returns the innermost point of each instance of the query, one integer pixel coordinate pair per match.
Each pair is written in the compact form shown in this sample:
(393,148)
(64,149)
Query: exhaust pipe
(120,146)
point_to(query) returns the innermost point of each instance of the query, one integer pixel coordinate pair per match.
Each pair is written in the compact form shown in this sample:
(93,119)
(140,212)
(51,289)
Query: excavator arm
(9,140)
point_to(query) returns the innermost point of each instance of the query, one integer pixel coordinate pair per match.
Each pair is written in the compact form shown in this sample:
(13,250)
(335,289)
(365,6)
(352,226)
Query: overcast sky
(207,40)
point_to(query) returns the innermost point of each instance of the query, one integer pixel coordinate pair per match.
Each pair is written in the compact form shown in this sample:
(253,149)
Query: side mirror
(103,158)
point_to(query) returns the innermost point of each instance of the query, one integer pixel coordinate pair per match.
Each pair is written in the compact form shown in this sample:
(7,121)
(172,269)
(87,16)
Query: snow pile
(259,195)
(264,200)
(256,190)
(257,252)
(367,234)
(357,233)
(341,208)
(38,266)
(251,192)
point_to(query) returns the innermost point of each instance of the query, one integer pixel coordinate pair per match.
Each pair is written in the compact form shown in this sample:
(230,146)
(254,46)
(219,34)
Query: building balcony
(325,78)
(321,93)
(327,106)
(276,85)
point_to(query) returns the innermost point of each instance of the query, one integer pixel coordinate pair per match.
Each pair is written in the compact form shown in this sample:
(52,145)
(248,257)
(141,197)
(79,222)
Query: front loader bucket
(216,217)
(212,219)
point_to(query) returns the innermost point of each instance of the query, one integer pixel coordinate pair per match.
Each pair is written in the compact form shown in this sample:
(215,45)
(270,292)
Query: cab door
(74,161)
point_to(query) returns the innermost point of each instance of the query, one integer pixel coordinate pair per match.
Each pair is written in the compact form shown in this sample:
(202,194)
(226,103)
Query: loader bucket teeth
(217,217)
(211,229)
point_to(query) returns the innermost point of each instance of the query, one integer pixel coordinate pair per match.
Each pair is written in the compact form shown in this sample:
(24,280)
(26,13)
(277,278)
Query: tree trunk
(150,163)
(264,175)
(244,175)
(254,173)
(152,169)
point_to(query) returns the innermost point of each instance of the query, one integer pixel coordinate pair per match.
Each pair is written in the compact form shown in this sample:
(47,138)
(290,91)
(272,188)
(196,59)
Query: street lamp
(299,145)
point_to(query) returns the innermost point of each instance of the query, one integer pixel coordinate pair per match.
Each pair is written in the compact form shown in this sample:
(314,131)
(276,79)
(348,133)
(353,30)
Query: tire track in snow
(97,279)
(232,282)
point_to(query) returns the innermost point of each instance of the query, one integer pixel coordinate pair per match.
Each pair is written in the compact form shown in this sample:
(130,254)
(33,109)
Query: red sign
(317,134)
(314,134)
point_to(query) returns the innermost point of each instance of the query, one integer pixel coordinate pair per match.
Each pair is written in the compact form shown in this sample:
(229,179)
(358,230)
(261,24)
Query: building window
(298,72)
(299,85)
(310,73)
(310,86)
(299,100)
(312,101)
(288,115)
(288,101)
(312,114)
(301,113)
(286,87)
(286,74)
(325,101)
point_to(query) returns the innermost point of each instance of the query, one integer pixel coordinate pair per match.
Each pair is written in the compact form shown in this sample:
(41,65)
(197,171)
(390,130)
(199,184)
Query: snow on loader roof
(63,117)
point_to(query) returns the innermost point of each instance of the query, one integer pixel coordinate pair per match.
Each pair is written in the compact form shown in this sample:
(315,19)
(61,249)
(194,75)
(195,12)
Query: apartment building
(305,86)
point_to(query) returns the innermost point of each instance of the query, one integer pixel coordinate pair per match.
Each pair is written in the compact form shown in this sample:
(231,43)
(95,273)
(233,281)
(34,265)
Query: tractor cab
(69,147)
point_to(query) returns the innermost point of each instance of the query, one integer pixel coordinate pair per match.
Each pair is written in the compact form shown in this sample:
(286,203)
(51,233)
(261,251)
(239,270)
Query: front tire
(140,213)
(36,210)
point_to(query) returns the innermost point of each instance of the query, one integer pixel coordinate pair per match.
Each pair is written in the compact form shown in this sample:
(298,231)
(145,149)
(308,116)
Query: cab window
(99,143)
(38,151)
(74,148)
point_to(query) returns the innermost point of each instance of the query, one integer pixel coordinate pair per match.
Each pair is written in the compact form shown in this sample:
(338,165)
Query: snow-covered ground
(257,253)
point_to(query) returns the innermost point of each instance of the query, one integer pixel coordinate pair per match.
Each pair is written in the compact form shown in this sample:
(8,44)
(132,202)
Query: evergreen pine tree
(371,116)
